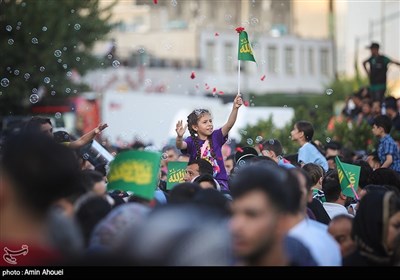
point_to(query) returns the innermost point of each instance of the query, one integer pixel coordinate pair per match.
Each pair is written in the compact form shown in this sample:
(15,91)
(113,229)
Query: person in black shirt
(378,66)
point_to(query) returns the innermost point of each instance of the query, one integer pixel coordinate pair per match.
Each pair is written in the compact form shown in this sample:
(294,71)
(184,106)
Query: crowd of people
(236,206)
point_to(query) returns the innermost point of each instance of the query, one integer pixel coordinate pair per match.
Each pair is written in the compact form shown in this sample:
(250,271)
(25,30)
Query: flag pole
(238,91)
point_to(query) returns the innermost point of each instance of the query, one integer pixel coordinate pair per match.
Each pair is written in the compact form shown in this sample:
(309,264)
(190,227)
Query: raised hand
(100,128)
(238,101)
(180,128)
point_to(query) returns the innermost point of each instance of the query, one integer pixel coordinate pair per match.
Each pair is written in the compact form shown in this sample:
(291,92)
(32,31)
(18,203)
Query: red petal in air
(262,77)
(193,75)
(239,29)
(246,103)
(214,90)
(221,92)
(155,1)
(216,34)
(240,150)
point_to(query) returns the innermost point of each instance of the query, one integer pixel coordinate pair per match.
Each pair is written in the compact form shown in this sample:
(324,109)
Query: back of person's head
(385,176)
(35,123)
(183,193)
(315,171)
(331,187)
(273,181)
(213,199)
(180,235)
(41,170)
(273,145)
(89,212)
(383,121)
(307,128)
(261,160)
(302,177)
(206,178)
(101,168)
(90,177)
(391,103)
(365,172)
(370,226)
(205,166)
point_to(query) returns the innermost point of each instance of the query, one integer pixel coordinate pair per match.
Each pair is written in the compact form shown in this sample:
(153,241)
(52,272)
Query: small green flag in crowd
(349,175)
(135,171)
(245,52)
(176,173)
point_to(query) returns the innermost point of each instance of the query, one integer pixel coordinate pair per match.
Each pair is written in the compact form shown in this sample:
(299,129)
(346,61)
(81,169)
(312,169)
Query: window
(272,60)
(210,54)
(229,66)
(311,61)
(302,61)
(289,60)
(324,56)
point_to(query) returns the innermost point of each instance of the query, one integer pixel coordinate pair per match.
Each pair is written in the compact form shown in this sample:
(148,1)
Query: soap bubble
(5,82)
(34,98)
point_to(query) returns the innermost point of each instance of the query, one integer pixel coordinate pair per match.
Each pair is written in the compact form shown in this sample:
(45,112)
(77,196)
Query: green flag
(349,175)
(176,172)
(135,171)
(245,52)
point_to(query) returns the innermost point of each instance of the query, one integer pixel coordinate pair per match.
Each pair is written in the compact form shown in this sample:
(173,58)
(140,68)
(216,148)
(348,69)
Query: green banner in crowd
(176,172)
(245,51)
(135,171)
(349,175)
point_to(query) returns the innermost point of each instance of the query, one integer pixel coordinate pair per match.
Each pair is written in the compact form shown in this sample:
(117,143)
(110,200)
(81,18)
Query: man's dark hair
(383,121)
(204,166)
(275,182)
(205,178)
(385,176)
(391,103)
(183,193)
(365,172)
(41,170)
(89,178)
(314,171)
(273,145)
(331,186)
(34,124)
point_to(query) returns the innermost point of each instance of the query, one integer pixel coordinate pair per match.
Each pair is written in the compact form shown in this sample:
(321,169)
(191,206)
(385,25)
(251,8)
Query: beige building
(290,39)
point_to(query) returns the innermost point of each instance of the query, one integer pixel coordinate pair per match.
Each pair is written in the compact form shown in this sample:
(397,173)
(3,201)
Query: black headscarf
(371,224)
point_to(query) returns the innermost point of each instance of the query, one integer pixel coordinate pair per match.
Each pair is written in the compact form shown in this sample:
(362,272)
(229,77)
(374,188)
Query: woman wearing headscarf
(375,229)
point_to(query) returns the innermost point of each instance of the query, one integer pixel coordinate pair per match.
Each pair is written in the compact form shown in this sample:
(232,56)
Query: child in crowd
(302,133)
(205,142)
(388,152)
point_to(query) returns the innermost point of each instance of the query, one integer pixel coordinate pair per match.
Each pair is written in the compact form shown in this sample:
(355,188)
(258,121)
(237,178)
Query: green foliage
(317,109)
(355,137)
(42,42)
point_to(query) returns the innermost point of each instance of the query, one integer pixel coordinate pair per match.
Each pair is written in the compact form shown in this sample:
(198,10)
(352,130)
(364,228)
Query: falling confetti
(240,150)
(220,92)
(214,90)
(246,103)
(216,34)
(262,77)
(155,1)
(193,75)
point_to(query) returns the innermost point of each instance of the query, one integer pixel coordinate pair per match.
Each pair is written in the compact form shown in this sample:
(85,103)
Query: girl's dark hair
(308,130)
(193,119)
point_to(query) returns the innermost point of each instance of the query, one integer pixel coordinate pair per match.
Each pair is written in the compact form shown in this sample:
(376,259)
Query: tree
(43,43)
